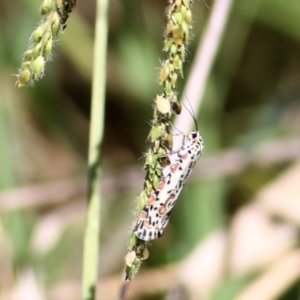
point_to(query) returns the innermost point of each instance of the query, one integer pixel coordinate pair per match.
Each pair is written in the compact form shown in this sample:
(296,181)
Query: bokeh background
(234,233)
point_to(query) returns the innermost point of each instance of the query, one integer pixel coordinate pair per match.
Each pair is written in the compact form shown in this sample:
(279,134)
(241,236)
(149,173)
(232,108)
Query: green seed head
(164,72)
(168,44)
(187,15)
(178,64)
(38,66)
(48,49)
(59,3)
(186,32)
(145,254)
(182,52)
(173,49)
(24,77)
(168,140)
(150,158)
(186,2)
(156,132)
(177,18)
(148,188)
(26,65)
(174,79)
(55,24)
(37,50)
(163,105)
(159,171)
(170,28)
(142,201)
(27,56)
(38,33)
(156,146)
(162,152)
(130,258)
(177,35)
(144,197)
(46,7)
(155,181)
(168,88)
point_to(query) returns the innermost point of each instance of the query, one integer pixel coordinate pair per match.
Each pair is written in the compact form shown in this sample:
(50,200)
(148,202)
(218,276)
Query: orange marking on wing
(161,185)
(143,215)
(162,210)
(151,200)
(171,197)
(185,156)
(175,168)
(146,224)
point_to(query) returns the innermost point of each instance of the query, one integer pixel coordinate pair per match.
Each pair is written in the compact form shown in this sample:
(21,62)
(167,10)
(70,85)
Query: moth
(154,217)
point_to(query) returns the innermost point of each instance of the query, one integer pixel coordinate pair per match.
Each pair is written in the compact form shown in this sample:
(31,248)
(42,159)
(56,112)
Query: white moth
(154,217)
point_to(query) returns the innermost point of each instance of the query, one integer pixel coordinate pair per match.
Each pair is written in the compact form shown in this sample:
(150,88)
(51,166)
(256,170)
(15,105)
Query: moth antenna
(191,111)
(177,129)
(206,4)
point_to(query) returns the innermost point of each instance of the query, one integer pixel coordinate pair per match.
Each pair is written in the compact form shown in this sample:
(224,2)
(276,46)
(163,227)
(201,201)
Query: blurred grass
(252,97)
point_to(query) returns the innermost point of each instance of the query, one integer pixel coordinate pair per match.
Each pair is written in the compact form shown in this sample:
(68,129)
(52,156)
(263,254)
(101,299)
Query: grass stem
(91,242)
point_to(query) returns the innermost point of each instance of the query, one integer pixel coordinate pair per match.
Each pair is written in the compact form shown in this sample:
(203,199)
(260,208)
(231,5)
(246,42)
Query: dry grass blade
(275,280)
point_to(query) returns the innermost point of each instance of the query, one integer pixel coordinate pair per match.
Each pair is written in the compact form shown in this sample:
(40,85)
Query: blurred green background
(250,121)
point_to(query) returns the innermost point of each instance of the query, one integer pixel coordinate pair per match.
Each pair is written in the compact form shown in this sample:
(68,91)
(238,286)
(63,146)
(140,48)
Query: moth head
(193,135)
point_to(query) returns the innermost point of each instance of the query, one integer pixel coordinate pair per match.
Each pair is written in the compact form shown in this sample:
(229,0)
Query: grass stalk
(91,242)
(176,39)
